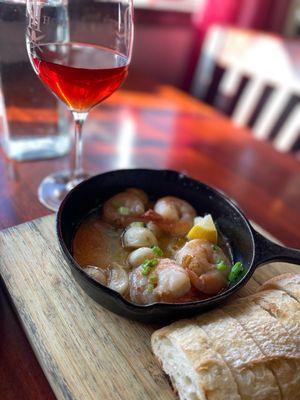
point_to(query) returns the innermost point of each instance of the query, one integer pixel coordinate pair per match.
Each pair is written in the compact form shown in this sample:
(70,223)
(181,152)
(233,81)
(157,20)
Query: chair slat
(270,112)
(248,101)
(230,82)
(289,132)
(207,62)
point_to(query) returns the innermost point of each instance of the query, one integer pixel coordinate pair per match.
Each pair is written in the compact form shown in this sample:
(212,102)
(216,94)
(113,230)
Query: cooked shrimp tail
(212,282)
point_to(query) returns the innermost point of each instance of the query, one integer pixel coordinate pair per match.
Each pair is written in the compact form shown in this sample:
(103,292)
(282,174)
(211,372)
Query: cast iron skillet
(247,245)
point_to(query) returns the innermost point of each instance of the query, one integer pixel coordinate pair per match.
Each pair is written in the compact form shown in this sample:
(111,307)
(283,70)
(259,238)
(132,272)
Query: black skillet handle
(267,251)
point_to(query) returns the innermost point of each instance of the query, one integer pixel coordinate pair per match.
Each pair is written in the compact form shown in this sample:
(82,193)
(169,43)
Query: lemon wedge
(204,228)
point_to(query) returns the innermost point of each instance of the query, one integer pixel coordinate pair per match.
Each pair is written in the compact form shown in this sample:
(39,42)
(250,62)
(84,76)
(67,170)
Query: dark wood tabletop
(156,127)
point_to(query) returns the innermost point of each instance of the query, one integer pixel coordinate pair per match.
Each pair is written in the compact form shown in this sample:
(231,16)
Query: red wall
(163,42)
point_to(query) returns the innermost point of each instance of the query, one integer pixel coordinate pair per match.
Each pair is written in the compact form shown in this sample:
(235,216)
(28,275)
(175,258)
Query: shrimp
(171,214)
(114,276)
(118,278)
(120,207)
(98,274)
(138,256)
(140,194)
(167,281)
(137,236)
(178,215)
(155,229)
(200,258)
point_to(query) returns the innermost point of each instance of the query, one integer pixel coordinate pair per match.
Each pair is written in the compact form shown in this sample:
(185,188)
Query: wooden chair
(254,78)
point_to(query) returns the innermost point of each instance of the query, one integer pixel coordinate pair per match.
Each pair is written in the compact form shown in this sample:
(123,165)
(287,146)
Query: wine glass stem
(76,167)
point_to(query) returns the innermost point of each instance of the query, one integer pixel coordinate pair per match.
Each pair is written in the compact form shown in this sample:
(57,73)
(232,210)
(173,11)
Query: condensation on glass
(34,124)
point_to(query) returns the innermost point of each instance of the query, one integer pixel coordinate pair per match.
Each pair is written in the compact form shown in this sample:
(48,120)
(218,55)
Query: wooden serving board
(85,351)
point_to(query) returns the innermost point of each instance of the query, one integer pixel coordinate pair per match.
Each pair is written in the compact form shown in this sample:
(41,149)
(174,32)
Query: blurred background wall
(169,33)
(292,23)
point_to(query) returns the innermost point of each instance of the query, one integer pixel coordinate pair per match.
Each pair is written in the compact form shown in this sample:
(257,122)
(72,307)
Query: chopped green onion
(123,210)
(236,270)
(153,279)
(216,247)
(150,287)
(147,265)
(221,266)
(146,270)
(157,250)
(152,263)
(137,224)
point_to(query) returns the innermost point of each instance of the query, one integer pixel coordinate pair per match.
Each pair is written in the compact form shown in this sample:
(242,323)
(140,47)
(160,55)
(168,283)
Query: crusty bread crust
(270,335)
(273,340)
(289,283)
(249,349)
(214,378)
(246,361)
(284,308)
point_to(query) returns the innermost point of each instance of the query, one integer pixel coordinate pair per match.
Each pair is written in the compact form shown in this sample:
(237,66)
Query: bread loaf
(179,345)
(249,349)
(289,283)
(275,342)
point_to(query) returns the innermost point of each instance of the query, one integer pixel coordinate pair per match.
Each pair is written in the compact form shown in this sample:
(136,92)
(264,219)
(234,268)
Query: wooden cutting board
(85,351)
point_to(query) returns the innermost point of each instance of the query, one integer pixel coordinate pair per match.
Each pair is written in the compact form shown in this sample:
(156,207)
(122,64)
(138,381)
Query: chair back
(255,79)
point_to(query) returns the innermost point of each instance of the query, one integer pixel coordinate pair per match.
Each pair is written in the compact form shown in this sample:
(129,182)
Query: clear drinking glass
(81,71)
(26,134)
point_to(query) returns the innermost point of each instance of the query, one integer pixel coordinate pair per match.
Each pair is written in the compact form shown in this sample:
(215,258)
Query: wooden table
(158,127)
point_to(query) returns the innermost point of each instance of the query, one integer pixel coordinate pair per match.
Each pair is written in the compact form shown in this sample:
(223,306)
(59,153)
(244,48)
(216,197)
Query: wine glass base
(54,188)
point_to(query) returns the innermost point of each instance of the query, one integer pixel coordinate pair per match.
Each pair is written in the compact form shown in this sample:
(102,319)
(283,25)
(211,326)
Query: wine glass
(81,50)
